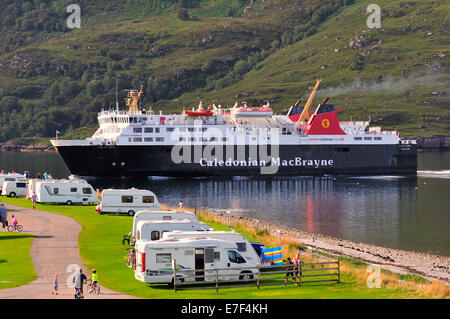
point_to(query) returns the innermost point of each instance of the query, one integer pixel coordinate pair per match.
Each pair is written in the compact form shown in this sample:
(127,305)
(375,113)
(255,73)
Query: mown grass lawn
(101,248)
(16,268)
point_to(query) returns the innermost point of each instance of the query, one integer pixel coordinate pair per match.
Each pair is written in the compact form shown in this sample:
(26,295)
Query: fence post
(174,268)
(259,275)
(217,280)
(299,274)
(339,271)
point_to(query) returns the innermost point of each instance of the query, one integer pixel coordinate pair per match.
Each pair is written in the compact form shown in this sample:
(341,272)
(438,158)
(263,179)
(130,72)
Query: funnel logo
(325,123)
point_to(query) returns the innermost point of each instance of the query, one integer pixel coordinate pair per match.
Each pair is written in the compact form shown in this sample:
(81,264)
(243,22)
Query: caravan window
(73,189)
(55,190)
(163,258)
(209,255)
(154,235)
(87,190)
(241,246)
(21,185)
(167,217)
(127,199)
(148,199)
(217,255)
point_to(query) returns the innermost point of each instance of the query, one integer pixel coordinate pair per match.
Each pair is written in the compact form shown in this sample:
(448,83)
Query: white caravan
(154,229)
(64,191)
(127,201)
(202,256)
(146,215)
(11,177)
(244,247)
(14,188)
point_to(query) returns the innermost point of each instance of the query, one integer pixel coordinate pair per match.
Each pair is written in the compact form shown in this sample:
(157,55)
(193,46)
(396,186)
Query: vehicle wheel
(98,289)
(69,202)
(246,276)
(130,213)
(10,228)
(12,194)
(19,228)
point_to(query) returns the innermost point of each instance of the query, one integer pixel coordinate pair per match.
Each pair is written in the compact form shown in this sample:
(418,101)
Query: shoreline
(431,267)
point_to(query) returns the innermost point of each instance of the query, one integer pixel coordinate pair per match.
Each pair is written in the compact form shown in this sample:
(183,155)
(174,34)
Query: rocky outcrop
(436,142)
(13,146)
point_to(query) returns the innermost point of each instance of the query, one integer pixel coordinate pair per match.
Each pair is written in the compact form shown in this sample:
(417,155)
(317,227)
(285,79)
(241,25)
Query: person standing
(34,199)
(290,271)
(3,215)
(79,279)
(55,284)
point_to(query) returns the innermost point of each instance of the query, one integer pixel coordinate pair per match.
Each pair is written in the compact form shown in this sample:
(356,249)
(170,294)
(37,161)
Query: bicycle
(17,228)
(93,287)
(78,293)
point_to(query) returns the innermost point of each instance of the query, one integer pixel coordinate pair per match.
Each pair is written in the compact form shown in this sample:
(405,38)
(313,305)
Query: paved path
(54,250)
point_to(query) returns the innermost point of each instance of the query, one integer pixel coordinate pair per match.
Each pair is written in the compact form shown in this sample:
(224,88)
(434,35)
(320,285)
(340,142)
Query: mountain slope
(53,78)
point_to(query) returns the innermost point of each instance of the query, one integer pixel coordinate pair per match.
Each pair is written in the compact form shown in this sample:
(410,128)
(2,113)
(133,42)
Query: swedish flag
(272,256)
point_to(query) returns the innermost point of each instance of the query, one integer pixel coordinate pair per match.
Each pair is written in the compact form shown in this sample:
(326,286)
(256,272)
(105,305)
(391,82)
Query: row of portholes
(121,164)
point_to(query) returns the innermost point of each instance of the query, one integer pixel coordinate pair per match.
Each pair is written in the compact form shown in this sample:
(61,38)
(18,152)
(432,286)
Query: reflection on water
(399,212)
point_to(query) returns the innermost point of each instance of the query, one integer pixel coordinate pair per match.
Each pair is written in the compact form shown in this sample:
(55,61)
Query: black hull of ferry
(142,161)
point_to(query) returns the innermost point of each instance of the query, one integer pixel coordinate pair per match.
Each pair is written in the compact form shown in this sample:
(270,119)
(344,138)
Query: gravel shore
(399,261)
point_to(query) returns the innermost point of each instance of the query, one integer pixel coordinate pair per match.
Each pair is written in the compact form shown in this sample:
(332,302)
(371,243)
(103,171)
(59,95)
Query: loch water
(411,213)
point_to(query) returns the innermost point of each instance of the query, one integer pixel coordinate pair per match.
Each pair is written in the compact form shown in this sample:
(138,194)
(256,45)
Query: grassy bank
(16,268)
(101,248)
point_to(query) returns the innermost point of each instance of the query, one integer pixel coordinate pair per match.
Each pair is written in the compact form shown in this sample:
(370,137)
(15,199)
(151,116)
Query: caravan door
(199,264)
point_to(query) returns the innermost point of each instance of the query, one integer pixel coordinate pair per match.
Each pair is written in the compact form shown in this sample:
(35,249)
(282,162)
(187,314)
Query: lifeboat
(251,111)
(199,113)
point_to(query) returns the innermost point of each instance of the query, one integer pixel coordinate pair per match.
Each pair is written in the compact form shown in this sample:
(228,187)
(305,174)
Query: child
(55,286)
(14,221)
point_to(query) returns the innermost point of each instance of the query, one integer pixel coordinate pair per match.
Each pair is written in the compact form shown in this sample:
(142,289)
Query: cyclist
(79,279)
(94,279)
(14,221)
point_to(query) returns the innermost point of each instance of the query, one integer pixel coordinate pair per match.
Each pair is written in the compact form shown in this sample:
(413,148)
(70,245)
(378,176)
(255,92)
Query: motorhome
(202,256)
(128,201)
(146,215)
(244,247)
(154,229)
(14,188)
(65,191)
(11,177)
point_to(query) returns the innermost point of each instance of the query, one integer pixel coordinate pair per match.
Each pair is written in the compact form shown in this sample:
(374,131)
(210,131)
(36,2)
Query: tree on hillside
(182,14)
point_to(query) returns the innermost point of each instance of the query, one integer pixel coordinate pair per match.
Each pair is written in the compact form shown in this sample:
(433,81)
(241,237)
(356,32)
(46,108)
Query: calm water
(397,212)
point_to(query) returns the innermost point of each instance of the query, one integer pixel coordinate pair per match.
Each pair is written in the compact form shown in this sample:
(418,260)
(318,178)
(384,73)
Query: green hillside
(218,51)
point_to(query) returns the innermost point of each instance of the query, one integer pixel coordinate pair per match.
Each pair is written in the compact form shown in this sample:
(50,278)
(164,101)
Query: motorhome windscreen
(148,199)
(87,190)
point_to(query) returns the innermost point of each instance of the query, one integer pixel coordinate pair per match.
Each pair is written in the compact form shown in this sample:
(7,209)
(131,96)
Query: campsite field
(101,248)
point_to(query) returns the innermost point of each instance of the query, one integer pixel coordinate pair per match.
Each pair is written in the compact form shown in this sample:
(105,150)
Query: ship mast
(304,117)
(132,100)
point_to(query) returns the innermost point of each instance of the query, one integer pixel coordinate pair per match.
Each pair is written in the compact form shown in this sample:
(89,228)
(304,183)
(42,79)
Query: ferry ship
(237,141)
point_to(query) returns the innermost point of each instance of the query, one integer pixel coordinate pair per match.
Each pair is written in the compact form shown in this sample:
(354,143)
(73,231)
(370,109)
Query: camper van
(203,256)
(64,191)
(11,177)
(154,229)
(14,188)
(244,247)
(127,201)
(165,215)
